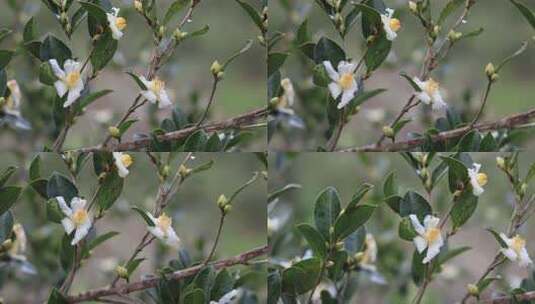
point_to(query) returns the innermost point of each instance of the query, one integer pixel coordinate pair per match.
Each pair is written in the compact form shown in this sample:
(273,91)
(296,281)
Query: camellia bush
(330,60)
(439,228)
(65,62)
(124,228)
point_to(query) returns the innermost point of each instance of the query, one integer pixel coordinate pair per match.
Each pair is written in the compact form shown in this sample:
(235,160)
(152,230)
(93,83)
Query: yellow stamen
(395,24)
(164,222)
(346,81)
(157,85)
(431,86)
(79,217)
(72,79)
(120,22)
(518,243)
(126,160)
(482,179)
(432,234)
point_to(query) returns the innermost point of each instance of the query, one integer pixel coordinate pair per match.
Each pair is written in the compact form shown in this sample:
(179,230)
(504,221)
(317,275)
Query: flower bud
(329,264)
(121,271)
(523,188)
(413,7)
(114,132)
(494,77)
(489,69)
(179,35)
(454,36)
(500,162)
(183,171)
(222,201)
(339,246)
(388,131)
(166,170)
(227,209)
(331,230)
(436,30)
(138,6)
(473,290)
(216,68)
(220,75)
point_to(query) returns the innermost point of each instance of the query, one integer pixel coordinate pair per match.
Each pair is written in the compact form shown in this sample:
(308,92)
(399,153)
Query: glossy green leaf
(174,9)
(8,197)
(414,203)
(463,208)
(5,58)
(105,48)
(314,239)
(109,190)
(353,218)
(59,185)
(328,50)
(275,61)
(326,210)
(144,215)
(301,276)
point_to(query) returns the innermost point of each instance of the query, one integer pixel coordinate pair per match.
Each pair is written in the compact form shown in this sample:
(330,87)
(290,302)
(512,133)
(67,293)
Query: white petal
(68,225)
(172,238)
(151,217)
(390,34)
(420,243)
(422,96)
(61,88)
(432,251)
(150,96)
(335,90)
(509,253)
(63,205)
(70,66)
(71,97)
(418,82)
(523,258)
(346,67)
(416,224)
(77,203)
(230,297)
(505,239)
(347,96)
(80,233)
(121,169)
(145,81)
(431,221)
(164,100)
(56,69)
(330,70)
(157,232)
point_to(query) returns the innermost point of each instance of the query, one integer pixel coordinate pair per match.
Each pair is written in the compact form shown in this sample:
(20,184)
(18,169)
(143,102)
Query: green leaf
(56,297)
(99,240)
(417,267)
(213,144)
(138,81)
(450,7)
(174,9)
(8,197)
(371,20)
(35,168)
(301,276)
(498,238)
(110,190)
(276,193)
(39,185)
(30,32)
(105,48)
(223,283)
(463,208)
(336,271)
(95,11)
(350,220)
(195,296)
(450,254)
(53,211)
(4,32)
(59,185)
(377,53)
(275,61)
(457,173)
(90,98)
(526,12)
(6,174)
(203,30)
(314,239)
(204,280)
(326,210)
(132,265)
(46,74)
(414,203)
(195,142)
(355,241)
(406,230)
(6,225)
(521,50)
(470,142)
(203,167)
(66,253)
(320,76)
(252,13)
(488,144)
(123,127)
(53,48)
(362,190)
(274,283)
(5,58)
(411,82)
(328,50)
(144,215)
(365,96)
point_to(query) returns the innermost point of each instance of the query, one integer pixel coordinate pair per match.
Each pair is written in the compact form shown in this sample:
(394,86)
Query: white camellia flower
(390,25)
(429,236)
(12,105)
(117,24)
(122,162)
(343,81)
(231,297)
(287,99)
(477,180)
(77,218)
(368,257)
(163,230)
(430,93)
(155,92)
(69,80)
(516,250)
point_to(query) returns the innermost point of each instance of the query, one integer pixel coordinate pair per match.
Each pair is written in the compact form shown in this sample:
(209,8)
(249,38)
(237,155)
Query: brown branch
(238,122)
(530,295)
(509,122)
(241,259)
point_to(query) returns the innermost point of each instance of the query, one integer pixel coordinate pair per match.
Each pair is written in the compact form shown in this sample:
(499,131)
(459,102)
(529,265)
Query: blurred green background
(187,74)
(346,171)
(461,75)
(193,209)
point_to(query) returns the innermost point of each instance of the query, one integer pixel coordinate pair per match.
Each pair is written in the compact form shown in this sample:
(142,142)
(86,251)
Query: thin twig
(240,259)
(218,236)
(210,101)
